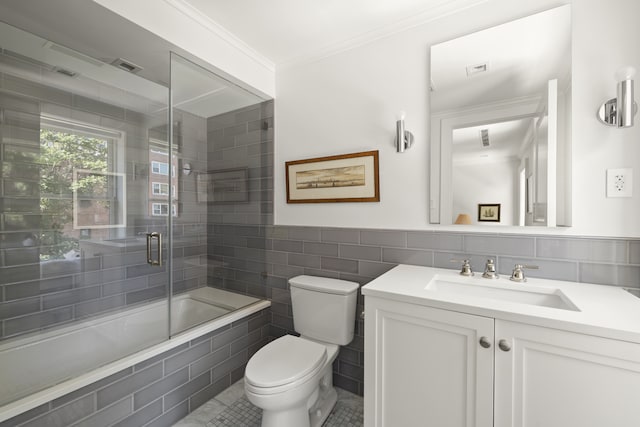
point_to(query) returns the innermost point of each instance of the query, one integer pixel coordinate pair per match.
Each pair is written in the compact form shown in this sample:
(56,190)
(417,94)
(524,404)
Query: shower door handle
(150,238)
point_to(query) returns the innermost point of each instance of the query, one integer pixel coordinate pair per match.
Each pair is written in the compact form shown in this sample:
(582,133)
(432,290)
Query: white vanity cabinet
(445,365)
(424,366)
(555,378)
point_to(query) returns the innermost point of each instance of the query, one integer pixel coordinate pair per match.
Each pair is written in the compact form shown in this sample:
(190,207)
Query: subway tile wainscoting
(258,260)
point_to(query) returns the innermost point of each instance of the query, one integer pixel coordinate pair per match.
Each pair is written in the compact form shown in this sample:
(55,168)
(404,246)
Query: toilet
(291,378)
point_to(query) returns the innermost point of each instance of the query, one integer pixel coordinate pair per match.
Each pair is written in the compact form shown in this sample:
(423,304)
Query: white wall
(473,184)
(180,25)
(347,103)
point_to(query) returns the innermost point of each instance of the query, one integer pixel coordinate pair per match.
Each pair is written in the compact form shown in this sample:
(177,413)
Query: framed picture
(223,186)
(344,178)
(489,213)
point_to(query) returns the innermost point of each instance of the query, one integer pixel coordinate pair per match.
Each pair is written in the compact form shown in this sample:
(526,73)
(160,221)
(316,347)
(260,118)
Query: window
(160,168)
(160,189)
(163,182)
(82,186)
(162,209)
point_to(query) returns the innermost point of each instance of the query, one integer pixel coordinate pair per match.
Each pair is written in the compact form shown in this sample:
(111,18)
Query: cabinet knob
(484,342)
(504,345)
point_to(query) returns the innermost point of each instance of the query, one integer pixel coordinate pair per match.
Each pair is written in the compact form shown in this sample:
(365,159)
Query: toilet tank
(324,309)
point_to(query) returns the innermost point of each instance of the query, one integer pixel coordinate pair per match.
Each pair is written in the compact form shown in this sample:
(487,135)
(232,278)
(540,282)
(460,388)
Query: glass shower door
(81,187)
(214,180)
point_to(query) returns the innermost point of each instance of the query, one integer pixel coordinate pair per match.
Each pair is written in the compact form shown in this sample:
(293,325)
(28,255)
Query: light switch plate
(620,182)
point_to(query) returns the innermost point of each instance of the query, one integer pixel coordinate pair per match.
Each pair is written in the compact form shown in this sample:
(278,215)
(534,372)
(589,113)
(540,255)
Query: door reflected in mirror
(500,122)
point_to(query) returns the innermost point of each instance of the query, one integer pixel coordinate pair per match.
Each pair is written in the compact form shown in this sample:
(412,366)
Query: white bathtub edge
(27,403)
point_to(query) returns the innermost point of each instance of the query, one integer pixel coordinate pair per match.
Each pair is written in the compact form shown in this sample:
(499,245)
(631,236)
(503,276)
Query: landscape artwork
(342,178)
(351,176)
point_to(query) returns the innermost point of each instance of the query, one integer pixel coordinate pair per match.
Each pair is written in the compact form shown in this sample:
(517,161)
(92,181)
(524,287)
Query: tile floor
(231,408)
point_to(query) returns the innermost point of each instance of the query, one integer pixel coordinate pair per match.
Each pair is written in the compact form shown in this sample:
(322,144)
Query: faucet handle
(490,270)
(518,272)
(466,267)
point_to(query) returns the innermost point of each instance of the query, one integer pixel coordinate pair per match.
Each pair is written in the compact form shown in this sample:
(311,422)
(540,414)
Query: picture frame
(342,178)
(489,212)
(225,186)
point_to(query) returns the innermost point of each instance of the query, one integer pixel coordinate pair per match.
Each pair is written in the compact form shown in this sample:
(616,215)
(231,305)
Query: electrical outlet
(619,182)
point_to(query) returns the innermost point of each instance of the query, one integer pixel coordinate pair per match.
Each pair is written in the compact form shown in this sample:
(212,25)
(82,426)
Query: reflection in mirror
(473,175)
(500,122)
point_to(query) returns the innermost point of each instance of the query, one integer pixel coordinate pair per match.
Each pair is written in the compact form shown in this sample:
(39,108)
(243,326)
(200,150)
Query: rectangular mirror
(501,123)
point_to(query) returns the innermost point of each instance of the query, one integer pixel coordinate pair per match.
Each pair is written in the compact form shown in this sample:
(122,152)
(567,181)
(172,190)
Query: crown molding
(518,102)
(184,7)
(441,10)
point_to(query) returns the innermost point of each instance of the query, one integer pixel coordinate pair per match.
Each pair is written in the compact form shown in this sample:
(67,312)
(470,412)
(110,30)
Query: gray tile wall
(244,139)
(35,295)
(161,390)
(361,255)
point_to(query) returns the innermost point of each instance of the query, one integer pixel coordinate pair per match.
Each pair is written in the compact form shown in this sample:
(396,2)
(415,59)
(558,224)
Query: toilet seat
(283,364)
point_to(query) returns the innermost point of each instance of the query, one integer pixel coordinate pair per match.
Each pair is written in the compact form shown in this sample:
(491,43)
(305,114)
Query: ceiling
(283,31)
(289,31)
(521,56)
(89,28)
(505,142)
(95,32)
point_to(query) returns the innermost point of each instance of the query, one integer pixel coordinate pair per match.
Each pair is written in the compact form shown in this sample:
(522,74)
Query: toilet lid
(284,360)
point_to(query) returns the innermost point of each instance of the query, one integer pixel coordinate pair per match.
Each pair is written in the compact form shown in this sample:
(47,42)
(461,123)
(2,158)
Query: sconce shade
(463,219)
(625,107)
(404,138)
(620,111)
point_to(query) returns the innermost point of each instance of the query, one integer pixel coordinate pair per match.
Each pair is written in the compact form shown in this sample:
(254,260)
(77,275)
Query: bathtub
(68,358)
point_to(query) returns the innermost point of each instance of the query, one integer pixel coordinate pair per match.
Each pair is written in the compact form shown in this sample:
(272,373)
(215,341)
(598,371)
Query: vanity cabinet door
(427,367)
(552,378)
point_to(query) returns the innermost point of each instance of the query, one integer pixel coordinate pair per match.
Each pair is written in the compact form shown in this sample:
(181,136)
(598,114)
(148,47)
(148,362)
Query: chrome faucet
(466,267)
(518,272)
(490,270)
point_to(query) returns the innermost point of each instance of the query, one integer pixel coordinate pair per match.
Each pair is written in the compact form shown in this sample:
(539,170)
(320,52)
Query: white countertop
(605,311)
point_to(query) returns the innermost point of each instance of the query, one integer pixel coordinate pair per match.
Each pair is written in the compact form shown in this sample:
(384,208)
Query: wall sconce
(619,111)
(404,138)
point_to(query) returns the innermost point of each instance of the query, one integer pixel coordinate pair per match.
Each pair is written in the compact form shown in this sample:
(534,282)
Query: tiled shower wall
(36,295)
(241,140)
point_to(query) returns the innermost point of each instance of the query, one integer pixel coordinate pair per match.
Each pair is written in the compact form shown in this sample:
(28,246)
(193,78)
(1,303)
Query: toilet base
(321,410)
(296,417)
(302,417)
(311,413)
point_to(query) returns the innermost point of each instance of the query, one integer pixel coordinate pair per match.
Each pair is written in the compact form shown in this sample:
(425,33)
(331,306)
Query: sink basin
(513,292)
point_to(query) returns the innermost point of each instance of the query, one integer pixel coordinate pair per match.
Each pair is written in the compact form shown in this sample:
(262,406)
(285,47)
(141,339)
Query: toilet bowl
(291,378)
